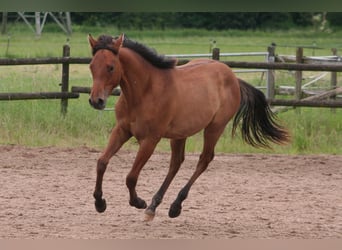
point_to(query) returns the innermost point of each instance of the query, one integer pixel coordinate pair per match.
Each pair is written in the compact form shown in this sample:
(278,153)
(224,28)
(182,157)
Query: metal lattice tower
(63,19)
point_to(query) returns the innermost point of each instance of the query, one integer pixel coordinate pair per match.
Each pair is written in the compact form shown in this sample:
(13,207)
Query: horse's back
(207,78)
(206,71)
(204,90)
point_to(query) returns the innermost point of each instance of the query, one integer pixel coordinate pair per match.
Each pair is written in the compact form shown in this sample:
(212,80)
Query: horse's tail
(259,126)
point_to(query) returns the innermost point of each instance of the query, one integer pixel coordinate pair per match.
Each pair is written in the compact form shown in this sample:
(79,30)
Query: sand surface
(47,193)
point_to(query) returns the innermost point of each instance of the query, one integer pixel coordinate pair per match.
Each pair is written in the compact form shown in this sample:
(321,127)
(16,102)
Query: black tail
(258,121)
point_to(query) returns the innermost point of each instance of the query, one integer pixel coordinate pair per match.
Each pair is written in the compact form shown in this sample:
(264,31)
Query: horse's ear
(92,41)
(123,36)
(118,42)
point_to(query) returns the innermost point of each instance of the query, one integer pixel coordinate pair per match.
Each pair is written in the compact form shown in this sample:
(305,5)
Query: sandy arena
(47,193)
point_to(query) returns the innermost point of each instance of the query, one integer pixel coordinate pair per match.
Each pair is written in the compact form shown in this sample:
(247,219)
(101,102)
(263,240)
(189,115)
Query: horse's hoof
(149,215)
(175,210)
(100,205)
(138,203)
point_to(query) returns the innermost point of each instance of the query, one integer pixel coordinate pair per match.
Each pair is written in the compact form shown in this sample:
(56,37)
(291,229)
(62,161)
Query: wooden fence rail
(49,60)
(233,64)
(270,65)
(307,103)
(38,95)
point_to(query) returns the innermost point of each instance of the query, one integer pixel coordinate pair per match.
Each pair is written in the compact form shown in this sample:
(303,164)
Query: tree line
(205,20)
(209,20)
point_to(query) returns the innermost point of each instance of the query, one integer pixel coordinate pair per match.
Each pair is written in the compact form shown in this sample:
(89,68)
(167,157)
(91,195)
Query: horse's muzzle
(99,104)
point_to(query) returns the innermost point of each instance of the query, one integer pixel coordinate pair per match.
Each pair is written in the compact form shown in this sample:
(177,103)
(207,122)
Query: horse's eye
(110,68)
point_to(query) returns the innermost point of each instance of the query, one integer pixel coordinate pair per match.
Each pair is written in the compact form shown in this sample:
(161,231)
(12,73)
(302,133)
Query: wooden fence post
(4,23)
(270,74)
(65,79)
(299,74)
(333,79)
(216,54)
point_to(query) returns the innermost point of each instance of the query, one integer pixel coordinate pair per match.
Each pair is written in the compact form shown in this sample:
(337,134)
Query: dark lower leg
(177,158)
(211,136)
(100,204)
(145,151)
(117,139)
(134,200)
(176,206)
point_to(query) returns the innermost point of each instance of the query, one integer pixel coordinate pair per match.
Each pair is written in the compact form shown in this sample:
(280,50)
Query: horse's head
(105,68)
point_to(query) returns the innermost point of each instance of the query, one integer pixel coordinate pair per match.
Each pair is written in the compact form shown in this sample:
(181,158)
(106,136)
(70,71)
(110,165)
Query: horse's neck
(135,76)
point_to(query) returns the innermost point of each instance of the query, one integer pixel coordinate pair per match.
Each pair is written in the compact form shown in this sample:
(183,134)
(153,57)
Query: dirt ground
(47,193)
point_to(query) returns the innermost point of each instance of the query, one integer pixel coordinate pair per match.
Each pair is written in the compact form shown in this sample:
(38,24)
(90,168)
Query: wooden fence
(270,64)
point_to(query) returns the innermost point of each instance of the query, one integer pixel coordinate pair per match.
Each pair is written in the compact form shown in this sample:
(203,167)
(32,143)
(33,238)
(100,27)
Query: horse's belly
(186,126)
(180,133)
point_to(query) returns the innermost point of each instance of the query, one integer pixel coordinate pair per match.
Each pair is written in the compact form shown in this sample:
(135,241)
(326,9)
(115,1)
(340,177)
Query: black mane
(104,42)
(160,61)
(150,54)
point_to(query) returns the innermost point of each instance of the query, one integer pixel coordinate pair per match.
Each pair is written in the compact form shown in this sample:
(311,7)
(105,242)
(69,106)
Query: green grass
(39,123)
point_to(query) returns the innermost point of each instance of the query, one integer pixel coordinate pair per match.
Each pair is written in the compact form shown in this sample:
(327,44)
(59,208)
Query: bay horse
(161,100)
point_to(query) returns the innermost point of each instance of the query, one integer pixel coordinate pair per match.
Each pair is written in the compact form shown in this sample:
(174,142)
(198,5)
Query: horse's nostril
(100,102)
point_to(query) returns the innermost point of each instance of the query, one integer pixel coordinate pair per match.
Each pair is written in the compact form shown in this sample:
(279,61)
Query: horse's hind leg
(117,138)
(211,136)
(177,158)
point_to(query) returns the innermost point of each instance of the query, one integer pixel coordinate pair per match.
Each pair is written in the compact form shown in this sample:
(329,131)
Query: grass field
(39,123)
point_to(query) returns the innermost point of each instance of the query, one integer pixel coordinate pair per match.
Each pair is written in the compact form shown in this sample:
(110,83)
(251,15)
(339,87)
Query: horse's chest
(145,120)
(141,129)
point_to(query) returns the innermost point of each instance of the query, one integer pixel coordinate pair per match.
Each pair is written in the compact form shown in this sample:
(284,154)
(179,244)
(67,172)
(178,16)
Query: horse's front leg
(117,138)
(145,151)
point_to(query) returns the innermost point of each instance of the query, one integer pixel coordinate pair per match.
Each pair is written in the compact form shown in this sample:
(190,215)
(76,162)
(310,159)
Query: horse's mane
(104,42)
(149,54)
